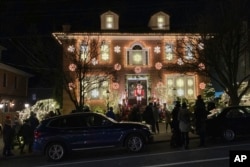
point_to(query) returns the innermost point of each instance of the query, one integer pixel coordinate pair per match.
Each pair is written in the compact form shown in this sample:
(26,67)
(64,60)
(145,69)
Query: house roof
(14,70)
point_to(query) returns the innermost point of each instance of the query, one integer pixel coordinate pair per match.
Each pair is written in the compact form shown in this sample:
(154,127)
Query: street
(155,155)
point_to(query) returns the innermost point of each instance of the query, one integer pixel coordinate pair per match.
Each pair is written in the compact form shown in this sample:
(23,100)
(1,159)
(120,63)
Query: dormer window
(161,22)
(109,21)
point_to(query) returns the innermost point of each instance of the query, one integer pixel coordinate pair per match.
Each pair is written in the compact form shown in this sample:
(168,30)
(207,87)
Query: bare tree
(82,73)
(221,51)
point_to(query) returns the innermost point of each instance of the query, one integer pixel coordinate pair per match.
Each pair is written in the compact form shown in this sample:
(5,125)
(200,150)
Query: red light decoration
(72,67)
(158,65)
(117,67)
(202,85)
(115,85)
(137,70)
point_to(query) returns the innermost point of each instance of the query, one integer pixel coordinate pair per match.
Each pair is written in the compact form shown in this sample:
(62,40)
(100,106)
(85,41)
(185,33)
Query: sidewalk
(163,136)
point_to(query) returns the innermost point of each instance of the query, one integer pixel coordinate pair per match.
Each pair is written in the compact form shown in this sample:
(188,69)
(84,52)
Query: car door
(102,132)
(236,120)
(73,128)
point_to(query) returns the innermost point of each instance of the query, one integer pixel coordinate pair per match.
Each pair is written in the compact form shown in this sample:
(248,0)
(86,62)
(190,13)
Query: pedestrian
(156,116)
(8,136)
(200,114)
(16,127)
(184,124)
(34,122)
(27,135)
(176,133)
(135,114)
(110,113)
(148,116)
(167,116)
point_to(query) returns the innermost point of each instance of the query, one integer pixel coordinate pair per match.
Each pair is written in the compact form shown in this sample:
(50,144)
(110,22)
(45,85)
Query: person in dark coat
(176,133)
(26,133)
(148,116)
(110,113)
(184,124)
(8,136)
(135,114)
(200,114)
(34,122)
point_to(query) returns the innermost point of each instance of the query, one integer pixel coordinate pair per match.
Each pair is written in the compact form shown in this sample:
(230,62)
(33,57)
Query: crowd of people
(16,132)
(178,120)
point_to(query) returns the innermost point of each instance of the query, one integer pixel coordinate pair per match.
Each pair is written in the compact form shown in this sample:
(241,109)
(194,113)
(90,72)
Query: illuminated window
(109,21)
(189,52)
(161,22)
(180,86)
(84,49)
(105,51)
(137,56)
(98,86)
(169,51)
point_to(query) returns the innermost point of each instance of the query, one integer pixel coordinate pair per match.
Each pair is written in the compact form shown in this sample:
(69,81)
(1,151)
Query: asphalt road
(155,155)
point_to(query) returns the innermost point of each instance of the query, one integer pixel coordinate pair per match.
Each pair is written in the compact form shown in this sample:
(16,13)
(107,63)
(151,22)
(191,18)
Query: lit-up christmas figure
(139,92)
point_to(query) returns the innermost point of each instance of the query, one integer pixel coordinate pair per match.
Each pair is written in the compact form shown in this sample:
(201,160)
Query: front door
(137,91)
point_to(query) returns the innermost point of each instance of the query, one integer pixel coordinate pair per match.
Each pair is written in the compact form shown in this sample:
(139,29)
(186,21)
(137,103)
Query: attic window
(109,21)
(161,22)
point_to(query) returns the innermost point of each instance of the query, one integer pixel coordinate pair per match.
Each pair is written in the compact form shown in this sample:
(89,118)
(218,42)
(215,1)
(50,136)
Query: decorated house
(134,67)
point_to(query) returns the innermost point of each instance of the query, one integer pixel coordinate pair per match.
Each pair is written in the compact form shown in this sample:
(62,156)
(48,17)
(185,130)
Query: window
(189,52)
(137,56)
(95,87)
(169,51)
(69,122)
(180,86)
(109,21)
(84,49)
(161,22)
(4,80)
(15,82)
(104,51)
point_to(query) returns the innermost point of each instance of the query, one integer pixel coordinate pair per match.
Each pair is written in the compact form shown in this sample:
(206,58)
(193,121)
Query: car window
(235,113)
(97,120)
(68,122)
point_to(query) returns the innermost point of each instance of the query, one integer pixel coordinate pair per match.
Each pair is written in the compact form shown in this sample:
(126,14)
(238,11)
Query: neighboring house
(143,58)
(13,88)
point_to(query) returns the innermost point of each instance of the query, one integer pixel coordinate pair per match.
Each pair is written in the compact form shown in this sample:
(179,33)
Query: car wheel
(228,135)
(134,143)
(55,152)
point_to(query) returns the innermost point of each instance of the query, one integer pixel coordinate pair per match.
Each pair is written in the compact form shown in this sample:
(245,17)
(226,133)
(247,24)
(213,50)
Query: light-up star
(157,49)
(117,49)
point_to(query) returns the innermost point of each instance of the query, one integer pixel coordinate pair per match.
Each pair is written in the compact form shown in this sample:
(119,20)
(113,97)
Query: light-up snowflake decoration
(94,61)
(95,93)
(117,49)
(72,67)
(71,48)
(180,62)
(157,49)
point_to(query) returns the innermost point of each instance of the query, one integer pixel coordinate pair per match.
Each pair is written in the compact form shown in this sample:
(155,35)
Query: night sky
(24,21)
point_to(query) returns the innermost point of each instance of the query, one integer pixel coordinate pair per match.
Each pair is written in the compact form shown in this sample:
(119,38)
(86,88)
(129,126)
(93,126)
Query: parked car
(57,136)
(229,122)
